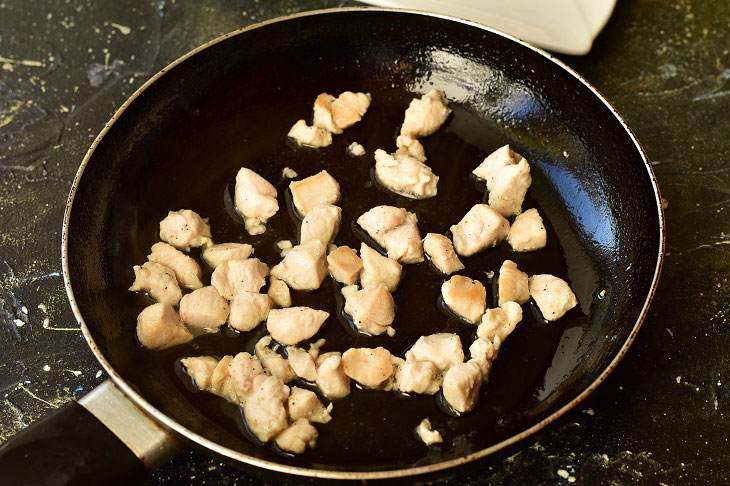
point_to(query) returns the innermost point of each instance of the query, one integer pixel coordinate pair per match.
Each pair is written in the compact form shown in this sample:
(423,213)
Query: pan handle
(102,439)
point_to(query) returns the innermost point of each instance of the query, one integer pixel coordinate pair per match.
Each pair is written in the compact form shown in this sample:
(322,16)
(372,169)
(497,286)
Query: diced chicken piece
(159,327)
(272,361)
(426,433)
(217,254)
(344,265)
(323,114)
(466,297)
(296,438)
(417,377)
(248,309)
(295,324)
(441,252)
(204,308)
(349,108)
(279,292)
(379,220)
(349,290)
(264,410)
(378,269)
(369,367)
(512,283)
(321,223)
(304,404)
(404,244)
(495,162)
(255,199)
(187,271)
(483,352)
(527,232)
(355,149)
(302,363)
(481,227)
(372,309)
(314,191)
(221,383)
(499,323)
(461,386)
(507,174)
(284,247)
(405,175)
(315,137)
(396,231)
(157,280)
(234,276)
(331,378)
(200,370)
(425,115)
(552,295)
(185,228)
(442,349)
(246,374)
(304,267)
(410,146)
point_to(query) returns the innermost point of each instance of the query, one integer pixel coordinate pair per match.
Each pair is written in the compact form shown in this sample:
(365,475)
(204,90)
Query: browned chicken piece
(349,108)
(461,386)
(323,114)
(396,231)
(441,253)
(248,309)
(200,370)
(527,232)
(427,434)
(481,227)
(405,175)
(272,361)
(372,309)
(512,284)
(315,137)
(507,174)
(552,295)
(204,308)
(322,223)
(159,327)
(304,267)
(234,276)
(442,349)
(187,271)
(217,254)
(185,228)
(246,375)
(279,292)
(297,438)
(377,269)
(255,199)
(410,146)
(465,297)
(304,404)
(425,115)
(483,352)
(344,265)
(369,367)
(264,409)
(295,324)
(331,378)
(314,191)
(498,323)
(157,280)
(413,376)
(302,363)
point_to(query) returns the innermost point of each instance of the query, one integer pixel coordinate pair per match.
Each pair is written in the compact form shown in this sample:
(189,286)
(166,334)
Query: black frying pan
(179,141)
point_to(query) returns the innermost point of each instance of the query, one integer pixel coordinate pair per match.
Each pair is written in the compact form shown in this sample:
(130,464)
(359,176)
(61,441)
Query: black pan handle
(102,439)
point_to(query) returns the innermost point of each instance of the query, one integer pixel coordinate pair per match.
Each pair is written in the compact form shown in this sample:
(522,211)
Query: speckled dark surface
(662,415)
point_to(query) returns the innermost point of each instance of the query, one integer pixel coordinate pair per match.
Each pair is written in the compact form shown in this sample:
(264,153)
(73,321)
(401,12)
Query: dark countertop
(661,417)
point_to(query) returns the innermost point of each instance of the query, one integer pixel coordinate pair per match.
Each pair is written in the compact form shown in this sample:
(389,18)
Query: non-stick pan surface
(180,142)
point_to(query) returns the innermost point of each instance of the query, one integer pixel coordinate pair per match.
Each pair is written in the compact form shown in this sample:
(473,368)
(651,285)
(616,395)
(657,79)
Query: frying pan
(178,143)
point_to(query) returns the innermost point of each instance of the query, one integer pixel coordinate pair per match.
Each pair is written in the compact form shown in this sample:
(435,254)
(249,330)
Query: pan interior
(181,142)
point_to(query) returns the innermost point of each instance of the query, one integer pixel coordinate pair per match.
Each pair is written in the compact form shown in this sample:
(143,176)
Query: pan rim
(172,424)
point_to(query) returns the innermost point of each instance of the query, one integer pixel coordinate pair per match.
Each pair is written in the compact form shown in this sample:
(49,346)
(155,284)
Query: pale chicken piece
(279,292)
(315,137)
(355,149)
(495,162)
(200,370)
(304,404)
(499,323)
(255,199)
(248,309)
(160,327)
(461,386)
(204,308)
(410,146)
(344,265)
(442,349)
(509,188)
(372,309)
(187,271)
(369,367)
(414,376)
(481,227)
(246,374)
(157,280)
(304,267)
(405,175)
(512,284)
(426,433)
(394,229)
(349,290)
(185,228)
(425,115)
(483,352)
(298,437)
(331,378)
(234,276)
(217,254)
(379,220)
(465,297)
(264,409)
(322,223)
(221,383)
(527,232)
(272,361)
(349,108)
(302,363)
(295,324)
(440,251)
(323,114)
(314,191)
(552,295)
